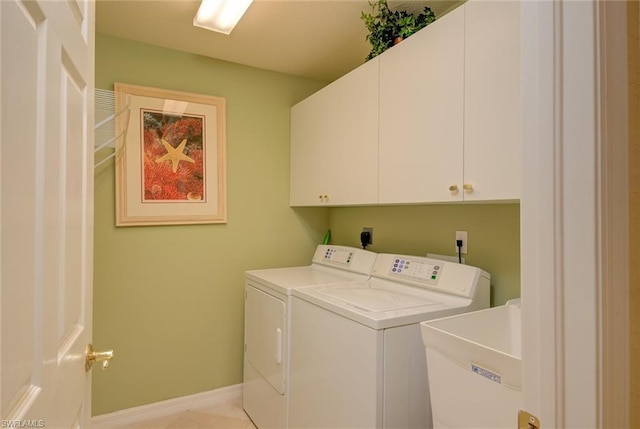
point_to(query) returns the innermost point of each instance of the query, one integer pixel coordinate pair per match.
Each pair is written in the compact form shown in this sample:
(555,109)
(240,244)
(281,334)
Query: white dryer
(267,325)
(357,356)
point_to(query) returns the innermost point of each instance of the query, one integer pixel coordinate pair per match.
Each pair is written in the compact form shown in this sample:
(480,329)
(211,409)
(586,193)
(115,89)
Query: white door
(46,201)
(574,214)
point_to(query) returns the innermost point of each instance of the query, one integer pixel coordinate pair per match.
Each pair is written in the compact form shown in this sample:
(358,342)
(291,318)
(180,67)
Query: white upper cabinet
(492,108)
(334,142)
(435,119)
(421,114)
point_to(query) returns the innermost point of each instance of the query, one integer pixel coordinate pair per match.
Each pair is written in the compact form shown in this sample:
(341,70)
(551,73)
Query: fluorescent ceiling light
(220,15)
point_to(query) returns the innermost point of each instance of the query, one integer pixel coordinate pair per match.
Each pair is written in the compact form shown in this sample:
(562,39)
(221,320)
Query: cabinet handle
(323,197)
(467,187)
(453,189)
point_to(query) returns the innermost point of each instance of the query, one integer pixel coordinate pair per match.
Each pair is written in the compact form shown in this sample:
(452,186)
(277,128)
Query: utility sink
(475,368)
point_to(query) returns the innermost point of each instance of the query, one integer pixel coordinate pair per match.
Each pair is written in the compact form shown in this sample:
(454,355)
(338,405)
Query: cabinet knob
(323,197)
(467,187)
(453,189)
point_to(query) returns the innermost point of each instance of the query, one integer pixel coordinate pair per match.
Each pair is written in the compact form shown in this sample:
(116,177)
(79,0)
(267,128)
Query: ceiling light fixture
(220,15)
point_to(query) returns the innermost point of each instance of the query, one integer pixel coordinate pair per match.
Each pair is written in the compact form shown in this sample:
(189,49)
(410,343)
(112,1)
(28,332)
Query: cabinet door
(309,154)
(334,142)
(492,123)
(421,114)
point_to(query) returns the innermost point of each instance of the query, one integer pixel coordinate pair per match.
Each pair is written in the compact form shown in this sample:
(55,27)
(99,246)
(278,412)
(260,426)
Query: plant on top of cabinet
(387,27)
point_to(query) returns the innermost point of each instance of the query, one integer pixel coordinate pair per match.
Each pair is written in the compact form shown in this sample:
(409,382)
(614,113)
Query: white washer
(267,325)
(357,356)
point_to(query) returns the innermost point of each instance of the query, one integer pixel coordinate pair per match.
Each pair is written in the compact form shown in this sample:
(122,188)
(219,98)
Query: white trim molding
(539,211)
(165,408)
(574,216)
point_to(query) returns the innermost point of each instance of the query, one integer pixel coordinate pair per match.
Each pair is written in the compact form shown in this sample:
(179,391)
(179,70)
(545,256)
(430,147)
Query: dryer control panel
(338,256)
(347,258)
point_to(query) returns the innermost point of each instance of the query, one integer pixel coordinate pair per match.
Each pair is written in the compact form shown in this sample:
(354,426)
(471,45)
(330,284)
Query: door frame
(574,213)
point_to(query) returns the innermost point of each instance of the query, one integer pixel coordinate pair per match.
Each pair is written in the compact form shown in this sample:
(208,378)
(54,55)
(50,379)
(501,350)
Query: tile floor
(225,415)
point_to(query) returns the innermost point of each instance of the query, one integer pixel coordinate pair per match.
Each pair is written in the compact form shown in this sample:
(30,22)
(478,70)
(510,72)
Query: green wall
(493,236)
(169,299)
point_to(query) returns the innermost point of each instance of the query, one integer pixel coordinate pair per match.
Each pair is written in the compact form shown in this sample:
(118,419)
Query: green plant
(385,25)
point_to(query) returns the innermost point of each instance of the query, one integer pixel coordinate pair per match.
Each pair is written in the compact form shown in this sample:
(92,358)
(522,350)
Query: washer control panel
(421,270)
(442,276)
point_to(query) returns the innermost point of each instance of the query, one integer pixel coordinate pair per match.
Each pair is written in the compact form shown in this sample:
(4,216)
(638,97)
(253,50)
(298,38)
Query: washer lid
(374,299)
(381,304)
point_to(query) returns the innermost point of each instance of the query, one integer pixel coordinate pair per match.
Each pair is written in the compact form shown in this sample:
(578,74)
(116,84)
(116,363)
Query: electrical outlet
(462,235)
(369,229)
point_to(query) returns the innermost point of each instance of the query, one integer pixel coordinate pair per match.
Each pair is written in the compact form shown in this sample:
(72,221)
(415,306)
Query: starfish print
(174,154)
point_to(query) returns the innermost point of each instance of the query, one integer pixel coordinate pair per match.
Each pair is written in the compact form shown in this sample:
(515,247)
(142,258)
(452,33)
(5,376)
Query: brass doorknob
(467,187)
(94,356)
(453,189)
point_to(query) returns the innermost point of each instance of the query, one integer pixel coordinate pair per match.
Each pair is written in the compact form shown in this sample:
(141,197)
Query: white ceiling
(318,39)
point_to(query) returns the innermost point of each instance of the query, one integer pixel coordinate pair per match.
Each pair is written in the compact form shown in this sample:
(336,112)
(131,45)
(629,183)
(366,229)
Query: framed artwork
(171,168)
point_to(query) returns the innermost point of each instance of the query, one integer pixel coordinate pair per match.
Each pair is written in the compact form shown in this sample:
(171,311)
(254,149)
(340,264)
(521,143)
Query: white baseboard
(164,408)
